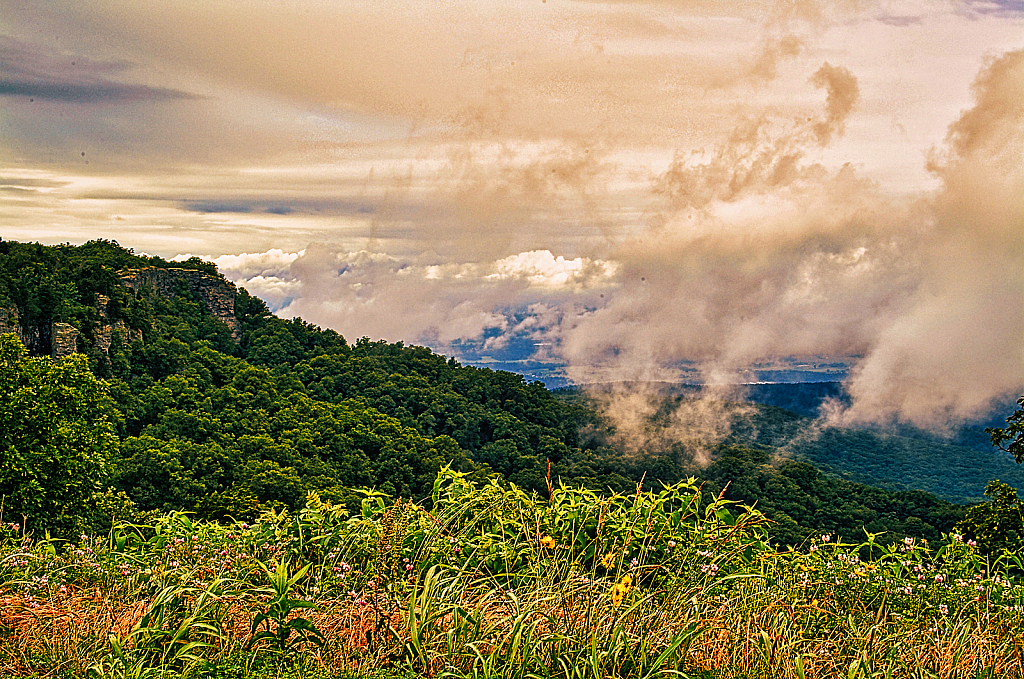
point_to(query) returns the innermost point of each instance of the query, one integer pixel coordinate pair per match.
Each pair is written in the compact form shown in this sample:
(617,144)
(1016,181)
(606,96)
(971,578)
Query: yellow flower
(620,589)
(608,561)
(547,541)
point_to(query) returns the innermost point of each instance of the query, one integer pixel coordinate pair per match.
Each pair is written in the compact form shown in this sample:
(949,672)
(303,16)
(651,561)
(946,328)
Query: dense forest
(177,392)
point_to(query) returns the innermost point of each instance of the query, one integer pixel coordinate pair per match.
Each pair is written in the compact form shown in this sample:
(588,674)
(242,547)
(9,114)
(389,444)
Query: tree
(997,524)
(54,437)
(1011,437)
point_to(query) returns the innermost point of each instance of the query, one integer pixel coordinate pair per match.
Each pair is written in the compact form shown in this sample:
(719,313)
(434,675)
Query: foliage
(1011,437)
(803,501)
(996,525)
(54,437)
(274,625)
(494,581)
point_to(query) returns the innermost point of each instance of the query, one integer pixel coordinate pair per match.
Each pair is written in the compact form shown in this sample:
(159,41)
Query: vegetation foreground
(494,581)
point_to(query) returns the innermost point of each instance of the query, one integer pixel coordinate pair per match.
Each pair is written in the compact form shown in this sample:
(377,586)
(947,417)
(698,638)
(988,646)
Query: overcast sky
(621,185)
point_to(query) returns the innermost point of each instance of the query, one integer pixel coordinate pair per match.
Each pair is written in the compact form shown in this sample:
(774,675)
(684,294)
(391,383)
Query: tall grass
(494,582)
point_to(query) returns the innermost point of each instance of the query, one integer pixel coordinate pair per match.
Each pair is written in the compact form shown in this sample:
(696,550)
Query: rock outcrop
(63,340)
(103,333)
(37,339)
(214,291)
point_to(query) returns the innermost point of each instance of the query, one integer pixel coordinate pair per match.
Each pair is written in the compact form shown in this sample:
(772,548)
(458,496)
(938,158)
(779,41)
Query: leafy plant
(275,625)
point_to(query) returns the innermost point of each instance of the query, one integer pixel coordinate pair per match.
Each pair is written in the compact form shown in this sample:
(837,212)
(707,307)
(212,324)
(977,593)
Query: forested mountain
(221,408)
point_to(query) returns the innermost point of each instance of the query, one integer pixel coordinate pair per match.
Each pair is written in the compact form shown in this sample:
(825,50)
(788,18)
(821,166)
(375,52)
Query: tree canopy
(55,436)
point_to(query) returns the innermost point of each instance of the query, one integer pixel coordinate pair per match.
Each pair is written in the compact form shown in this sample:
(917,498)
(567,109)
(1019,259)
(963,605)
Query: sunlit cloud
(637,190)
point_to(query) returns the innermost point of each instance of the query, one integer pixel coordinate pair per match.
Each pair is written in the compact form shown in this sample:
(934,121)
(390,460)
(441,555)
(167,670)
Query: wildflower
(608,561)
(944,609)
(620,589)
(940,577)
(826,537)
(972,543)
(671,544)
(548,542)
(908,541)
(814,548)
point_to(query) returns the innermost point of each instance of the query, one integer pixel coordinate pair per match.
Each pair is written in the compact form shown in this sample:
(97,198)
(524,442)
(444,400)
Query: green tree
(55,437)
(997,524)
(1011,437)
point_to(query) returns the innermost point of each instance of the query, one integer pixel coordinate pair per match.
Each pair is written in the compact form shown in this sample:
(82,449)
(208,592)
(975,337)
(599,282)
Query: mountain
(221,408)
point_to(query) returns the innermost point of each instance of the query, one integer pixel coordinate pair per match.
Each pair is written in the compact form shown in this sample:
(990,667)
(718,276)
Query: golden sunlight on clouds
(628,185)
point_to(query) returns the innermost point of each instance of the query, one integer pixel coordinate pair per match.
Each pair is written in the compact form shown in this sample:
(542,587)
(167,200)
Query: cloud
(843,93)
(28,71)
(374,294)
(644,190)
(959,343)
(929,291)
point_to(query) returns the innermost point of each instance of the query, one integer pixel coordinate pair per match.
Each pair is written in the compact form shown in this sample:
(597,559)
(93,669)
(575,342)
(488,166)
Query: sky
(660,190)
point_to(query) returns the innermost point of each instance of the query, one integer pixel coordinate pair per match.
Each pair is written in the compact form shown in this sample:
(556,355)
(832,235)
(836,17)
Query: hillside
(954,467)
(223,409)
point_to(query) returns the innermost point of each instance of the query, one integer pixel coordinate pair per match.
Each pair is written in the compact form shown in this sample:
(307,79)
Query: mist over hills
(953,465)
(222,408)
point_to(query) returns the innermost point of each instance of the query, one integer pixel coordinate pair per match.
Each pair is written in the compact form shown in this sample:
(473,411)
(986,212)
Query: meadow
(492,581)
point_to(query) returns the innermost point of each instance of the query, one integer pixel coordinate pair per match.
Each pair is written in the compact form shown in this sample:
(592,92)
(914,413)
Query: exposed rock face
(214,291)
(103,334)
(63,340)
(36,340)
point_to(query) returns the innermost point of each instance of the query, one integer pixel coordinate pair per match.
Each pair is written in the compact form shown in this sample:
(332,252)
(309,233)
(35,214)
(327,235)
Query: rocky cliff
(103,333)
(57,339)
(62,339)
(217,293)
